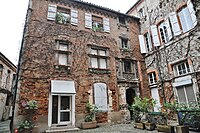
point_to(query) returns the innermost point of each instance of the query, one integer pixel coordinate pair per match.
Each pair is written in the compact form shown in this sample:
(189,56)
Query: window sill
(125,49)
(122,25)
(99,71)
(62,67)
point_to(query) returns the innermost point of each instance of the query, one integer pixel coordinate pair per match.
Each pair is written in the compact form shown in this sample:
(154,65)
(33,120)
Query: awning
(62,86)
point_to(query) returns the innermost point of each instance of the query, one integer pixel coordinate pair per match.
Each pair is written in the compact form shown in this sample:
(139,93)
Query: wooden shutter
(142,44)
(169,32)
(74,17)
(106,25)
(192,12)
(88,20)
(51,15)
(155,37)
(175,25)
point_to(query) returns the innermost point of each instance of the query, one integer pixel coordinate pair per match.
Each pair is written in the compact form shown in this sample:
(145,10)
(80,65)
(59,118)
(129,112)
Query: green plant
(32,104)
(141,106)
(28,125)
(91,111)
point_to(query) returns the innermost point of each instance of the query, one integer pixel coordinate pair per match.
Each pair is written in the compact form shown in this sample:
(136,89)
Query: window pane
(65,116)
(63,47)
(94,63)
(188,18)
(181,94)
(190,94)
(54,109)
(102,63)
(62,59)
(65,105)
(94,51)
(183,21)
(127,66)
(102,52)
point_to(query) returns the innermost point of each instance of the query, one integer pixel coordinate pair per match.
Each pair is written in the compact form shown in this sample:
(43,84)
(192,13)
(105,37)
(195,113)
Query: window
(100,96)
(163,33)
(97,23)
(122,20)
(124,43)
(182,68)
(1,72)
(148,41)
(129,66)
(62,15)
(141,13)
(186,94)
(152,78)
(63,52)
(98,58)
(8,79)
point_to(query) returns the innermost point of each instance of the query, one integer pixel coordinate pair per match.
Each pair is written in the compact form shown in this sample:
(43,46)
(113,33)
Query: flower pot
(150,126)
(88,125)
(165,128)
(139,125)
(182,129)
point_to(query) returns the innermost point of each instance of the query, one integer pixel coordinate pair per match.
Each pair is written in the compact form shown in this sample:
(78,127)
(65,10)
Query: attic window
(122,20)
(97,23)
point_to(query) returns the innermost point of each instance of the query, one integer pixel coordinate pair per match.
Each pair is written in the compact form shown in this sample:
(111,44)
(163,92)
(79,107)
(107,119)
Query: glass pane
(63,47)
(65,103)
(102,52)
(64,116)
(54,109)
(62,59)
(103,63)
(188,19)
(181,95)
(94,51)
(190,94)
(94,63)
(183,21)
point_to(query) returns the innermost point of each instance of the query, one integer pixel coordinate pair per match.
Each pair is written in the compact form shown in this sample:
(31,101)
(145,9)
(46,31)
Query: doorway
(130,95)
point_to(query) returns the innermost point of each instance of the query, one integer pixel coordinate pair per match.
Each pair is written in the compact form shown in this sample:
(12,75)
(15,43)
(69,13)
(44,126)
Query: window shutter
(155,37)
(88,20)
(74,17)
(192,12)
(51,15)
(142,44)
(106,25)
(169,32)
(175,25)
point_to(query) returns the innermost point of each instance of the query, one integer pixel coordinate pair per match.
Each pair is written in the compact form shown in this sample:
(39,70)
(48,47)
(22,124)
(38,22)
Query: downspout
(19,64)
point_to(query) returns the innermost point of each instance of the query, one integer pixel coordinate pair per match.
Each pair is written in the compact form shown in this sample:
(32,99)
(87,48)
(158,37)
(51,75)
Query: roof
(134,6)
(7,62)
(103,8)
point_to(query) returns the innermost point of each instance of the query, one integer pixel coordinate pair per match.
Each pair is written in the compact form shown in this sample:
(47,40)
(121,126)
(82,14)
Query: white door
(61,110)
(155,96)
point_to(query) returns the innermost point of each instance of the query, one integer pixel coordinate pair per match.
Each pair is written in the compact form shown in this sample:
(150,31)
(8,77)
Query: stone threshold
(62,129)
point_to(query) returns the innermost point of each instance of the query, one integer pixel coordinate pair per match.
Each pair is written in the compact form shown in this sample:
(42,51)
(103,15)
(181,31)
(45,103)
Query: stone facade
(41,68)
(166,58)
(7,75)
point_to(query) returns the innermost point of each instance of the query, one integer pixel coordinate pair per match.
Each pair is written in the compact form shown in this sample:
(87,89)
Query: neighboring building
(7,76)
(170,44)
(74,52)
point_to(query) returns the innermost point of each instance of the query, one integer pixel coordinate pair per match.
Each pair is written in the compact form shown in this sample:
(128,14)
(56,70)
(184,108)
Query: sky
(13,18)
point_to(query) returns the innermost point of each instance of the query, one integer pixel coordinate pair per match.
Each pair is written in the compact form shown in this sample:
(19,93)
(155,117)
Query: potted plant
(90,121)
(26,127)
(139,108)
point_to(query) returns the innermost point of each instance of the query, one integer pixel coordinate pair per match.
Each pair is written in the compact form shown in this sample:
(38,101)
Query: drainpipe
(19,64)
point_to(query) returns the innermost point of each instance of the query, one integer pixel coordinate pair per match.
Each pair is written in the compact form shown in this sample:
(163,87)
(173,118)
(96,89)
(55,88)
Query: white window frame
(63,50)
(147,40)
(187,69)
(152,76)
(163,32)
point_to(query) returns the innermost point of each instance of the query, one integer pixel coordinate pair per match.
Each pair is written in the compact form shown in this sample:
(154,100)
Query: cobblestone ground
(119,128)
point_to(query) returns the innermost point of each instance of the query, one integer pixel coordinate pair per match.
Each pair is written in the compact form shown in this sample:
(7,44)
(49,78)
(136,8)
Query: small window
(122,20)
(97,23)
(147,40)
(152,78)
(63,15)
(101,96)
(63,52)
(124,43)
(98,58)
(182,68)
(163,33)
(1,67)
(129,66)
(141,13)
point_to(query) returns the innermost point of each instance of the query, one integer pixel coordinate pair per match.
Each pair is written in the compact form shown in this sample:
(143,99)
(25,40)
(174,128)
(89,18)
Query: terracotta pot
(150,126)
(139,125)
(88,125)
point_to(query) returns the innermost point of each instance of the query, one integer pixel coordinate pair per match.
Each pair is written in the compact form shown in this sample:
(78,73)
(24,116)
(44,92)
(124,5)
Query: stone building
(169,41)
(7,75)
(74,52)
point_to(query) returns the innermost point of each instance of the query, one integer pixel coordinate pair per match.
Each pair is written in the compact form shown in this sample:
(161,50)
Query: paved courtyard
(119,128)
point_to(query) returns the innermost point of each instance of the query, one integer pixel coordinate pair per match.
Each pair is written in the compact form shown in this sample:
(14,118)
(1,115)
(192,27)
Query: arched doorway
(130,94)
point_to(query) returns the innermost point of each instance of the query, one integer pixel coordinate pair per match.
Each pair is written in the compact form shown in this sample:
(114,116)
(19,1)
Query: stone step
(5,126)
(62,129)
